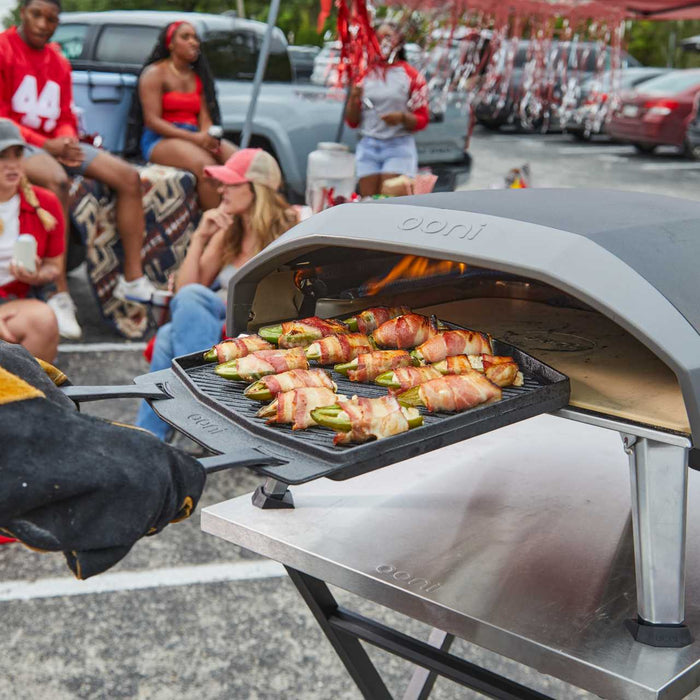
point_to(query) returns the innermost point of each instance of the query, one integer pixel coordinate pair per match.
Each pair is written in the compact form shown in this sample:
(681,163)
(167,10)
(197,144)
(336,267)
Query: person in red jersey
(36,94)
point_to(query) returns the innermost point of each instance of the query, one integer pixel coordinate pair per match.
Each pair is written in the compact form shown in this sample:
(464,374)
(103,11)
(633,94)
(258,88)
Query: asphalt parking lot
(233,626)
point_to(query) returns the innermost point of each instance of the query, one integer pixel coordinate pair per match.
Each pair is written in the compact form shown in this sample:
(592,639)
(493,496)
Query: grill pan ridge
(310,454)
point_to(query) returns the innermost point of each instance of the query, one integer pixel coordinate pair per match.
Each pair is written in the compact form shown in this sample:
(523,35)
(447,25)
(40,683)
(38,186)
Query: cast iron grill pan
(310,454)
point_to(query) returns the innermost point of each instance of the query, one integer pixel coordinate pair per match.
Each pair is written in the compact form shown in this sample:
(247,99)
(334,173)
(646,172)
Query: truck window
(125,44)
(71,39)
(234,56)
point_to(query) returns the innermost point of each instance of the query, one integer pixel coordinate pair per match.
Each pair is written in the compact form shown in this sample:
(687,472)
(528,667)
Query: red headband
(171,31)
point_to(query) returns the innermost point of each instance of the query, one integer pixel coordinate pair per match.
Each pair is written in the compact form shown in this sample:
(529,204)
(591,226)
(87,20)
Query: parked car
(108,49)
(590,116)
(692,137)
(658,113)
(503,105)
(302,58)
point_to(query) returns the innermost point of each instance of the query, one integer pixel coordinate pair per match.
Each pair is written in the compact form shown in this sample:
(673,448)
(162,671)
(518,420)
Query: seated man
(29,210)
(36,93)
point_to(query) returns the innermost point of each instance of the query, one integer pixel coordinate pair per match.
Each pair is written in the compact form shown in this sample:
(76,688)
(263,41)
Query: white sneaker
(140,290)
(63,307)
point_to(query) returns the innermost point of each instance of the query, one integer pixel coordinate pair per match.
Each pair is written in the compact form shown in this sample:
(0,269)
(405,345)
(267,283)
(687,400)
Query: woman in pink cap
(251,215)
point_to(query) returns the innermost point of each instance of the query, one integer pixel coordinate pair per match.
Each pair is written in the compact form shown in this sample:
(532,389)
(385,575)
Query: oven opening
(611,372)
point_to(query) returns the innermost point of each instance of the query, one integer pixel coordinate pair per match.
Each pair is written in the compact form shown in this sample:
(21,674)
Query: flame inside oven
(413,267)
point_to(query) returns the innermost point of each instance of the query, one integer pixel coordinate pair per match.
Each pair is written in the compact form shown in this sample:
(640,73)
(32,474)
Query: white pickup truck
(107,50)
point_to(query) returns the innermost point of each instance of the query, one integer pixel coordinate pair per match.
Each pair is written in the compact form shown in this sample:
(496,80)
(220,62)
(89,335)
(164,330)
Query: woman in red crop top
(177,107)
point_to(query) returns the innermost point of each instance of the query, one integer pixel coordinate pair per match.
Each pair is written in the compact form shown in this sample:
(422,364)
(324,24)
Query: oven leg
(273,494)
(659,479)
(358,664)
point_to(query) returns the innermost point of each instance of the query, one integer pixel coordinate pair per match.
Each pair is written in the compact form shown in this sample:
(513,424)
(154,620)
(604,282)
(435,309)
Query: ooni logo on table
(408,579)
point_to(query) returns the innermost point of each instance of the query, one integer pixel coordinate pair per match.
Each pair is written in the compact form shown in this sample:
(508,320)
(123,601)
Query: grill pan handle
(78,394)
(241,458)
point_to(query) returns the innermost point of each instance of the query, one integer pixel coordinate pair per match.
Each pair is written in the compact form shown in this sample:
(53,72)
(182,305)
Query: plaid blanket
(170,206)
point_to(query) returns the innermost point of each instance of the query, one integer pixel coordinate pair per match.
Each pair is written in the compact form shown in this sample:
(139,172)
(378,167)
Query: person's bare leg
(45,171)
(370,184)
(184,155)
(34,325)
(226,151)
(124,179)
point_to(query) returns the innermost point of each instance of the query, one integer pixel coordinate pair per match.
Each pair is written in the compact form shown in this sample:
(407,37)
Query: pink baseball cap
(248,165)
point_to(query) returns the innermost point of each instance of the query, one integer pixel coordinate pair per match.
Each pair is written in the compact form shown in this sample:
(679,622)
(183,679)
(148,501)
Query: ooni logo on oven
(407,579)
(441,227)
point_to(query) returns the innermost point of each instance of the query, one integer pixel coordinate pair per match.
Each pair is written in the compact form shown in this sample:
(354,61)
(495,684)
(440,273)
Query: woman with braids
(251,215)
(178,105)
(26,210)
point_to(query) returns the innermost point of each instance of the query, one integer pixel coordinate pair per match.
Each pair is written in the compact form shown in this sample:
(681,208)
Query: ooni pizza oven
(596,286)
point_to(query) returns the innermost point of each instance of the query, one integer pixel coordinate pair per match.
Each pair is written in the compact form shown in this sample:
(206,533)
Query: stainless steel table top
(519,541)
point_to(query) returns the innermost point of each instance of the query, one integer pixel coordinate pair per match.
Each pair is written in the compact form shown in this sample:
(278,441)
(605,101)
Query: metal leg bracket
(659,481)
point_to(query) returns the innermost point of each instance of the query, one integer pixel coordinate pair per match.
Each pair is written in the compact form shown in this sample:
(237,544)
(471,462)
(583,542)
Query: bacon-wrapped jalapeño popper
(258,364)
(338,348)
(303,332)
(368,320)
(233,348)
(269,386)
(454,392)
(405,331)
(296,406)
(368,366)
(500,369)
(361,419)
(448,343)
(403,378)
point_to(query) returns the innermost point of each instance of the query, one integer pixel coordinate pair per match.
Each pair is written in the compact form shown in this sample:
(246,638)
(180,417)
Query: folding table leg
(423,680)
(351,652)
(659,479)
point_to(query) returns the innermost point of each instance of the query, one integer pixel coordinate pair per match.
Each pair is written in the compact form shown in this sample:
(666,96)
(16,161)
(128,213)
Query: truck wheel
(691,150)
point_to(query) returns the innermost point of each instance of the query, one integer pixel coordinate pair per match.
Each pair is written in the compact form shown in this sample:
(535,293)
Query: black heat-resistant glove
(80,485)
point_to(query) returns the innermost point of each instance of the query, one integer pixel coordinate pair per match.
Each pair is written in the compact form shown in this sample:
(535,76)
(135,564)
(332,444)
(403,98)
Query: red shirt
(183,107)
(35,89)
(50,244)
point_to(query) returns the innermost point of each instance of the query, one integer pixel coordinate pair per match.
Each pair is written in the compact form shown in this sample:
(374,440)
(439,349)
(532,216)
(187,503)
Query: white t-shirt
(9,215)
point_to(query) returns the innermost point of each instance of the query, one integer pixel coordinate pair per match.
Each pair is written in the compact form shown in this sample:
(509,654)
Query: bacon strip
(370,365)
(447,343)
(409,377)
(372,418)
(458,392)
(370,319)
(295,406)
(342,348)
(233,348)
(272,362)
(404,331)
(502,371)
(296,379)
(306,330)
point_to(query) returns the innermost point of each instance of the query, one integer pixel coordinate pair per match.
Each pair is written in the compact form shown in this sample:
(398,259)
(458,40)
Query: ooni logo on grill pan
(441,227)
(407,579)
(205,424)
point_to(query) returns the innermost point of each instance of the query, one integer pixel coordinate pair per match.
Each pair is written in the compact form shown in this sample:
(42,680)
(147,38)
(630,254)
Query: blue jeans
(397,155)
(197,315)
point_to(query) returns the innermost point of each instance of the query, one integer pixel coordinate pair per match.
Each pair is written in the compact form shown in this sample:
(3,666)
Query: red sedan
(658,114)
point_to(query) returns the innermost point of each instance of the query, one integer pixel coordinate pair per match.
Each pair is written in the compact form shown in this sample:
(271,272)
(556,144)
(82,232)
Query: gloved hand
(77,484)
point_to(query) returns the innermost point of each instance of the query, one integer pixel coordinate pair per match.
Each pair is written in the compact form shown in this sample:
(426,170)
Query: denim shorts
(89,154)
(150,138)
(395,155)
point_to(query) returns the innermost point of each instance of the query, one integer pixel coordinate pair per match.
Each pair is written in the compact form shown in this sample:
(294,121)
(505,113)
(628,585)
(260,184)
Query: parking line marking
(671,166)
(590,150)
(101,347)
(139,580)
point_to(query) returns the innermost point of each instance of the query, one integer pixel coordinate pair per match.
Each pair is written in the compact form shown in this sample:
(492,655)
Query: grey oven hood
(632,257)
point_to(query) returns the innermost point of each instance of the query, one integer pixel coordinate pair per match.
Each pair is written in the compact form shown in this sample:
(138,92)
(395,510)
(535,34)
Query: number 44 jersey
(35,89)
